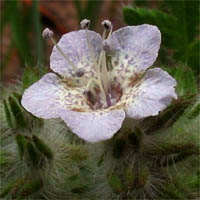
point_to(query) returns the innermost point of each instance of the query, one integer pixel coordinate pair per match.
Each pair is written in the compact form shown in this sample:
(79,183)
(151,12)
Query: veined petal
(154,94)
(48,96)
(42,99)
(75,46)
(134,48)
(94,126)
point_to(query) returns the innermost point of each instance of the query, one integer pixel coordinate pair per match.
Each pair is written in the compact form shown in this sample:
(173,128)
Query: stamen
(48,34)
(85,24)
(107,25)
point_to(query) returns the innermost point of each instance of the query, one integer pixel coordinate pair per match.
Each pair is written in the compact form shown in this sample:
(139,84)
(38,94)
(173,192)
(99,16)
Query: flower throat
(101,91)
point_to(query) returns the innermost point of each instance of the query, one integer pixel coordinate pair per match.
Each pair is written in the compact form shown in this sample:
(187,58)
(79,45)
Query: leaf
(17,112)
(42,147)
(21,143)
(34,155)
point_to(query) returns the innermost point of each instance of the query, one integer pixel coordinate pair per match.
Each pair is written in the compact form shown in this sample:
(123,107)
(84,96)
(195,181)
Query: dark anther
(85,24)
(107,24)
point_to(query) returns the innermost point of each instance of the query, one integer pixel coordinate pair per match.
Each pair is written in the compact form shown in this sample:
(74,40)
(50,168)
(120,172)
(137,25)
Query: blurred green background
(23,20)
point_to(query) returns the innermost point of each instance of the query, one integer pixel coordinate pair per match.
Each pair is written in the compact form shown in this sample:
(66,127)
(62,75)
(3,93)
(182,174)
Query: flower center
(102,92)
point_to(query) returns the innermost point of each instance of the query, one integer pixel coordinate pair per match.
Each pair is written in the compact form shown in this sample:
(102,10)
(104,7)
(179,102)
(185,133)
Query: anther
(85,23)
(47,34)
(106,24)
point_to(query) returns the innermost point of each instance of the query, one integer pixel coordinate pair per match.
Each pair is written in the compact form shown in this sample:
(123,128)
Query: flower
(98,81)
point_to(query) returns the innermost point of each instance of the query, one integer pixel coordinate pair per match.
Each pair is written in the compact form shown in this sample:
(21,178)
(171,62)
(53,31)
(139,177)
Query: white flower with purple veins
(101,80)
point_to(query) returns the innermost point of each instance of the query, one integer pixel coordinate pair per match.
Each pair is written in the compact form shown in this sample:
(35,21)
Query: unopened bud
(85,24)
(47,34)
(106,24)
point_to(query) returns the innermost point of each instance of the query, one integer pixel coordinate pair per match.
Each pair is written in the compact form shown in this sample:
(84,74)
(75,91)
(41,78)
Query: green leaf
(21,143)
(42,147)
(17,112)
(34,155)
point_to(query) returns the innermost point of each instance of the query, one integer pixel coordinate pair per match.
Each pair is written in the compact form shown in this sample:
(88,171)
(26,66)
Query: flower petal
(47,97)
(94,126)
(154,94)
(135,46)
(41,98)
(75,47)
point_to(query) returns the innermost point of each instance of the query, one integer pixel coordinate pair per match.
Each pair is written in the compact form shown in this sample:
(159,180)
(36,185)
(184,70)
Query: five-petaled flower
(101,80)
